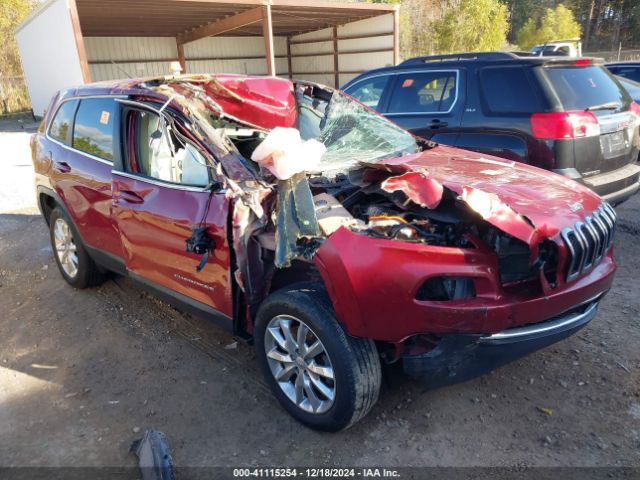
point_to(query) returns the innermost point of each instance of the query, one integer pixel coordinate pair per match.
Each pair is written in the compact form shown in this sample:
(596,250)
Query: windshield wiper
(603,106)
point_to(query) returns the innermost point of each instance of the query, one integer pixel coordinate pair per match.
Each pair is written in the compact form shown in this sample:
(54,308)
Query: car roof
(136,85)
(622,64)
(457,60)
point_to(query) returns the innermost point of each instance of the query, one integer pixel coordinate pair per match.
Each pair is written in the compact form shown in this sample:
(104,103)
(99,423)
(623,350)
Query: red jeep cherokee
(390,248)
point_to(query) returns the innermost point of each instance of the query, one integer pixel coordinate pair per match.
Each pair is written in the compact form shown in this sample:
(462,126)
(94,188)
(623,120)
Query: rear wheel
(321,376)
(75,264)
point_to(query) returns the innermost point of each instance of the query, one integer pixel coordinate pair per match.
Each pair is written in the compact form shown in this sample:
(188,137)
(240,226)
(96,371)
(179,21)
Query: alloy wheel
(65,247)
(300,364)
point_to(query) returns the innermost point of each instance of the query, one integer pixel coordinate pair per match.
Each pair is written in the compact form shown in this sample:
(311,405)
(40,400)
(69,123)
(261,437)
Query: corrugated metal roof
(169,18)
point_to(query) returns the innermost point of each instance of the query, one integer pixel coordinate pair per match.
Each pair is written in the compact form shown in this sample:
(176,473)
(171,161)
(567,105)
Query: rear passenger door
(427,103)
(81,149)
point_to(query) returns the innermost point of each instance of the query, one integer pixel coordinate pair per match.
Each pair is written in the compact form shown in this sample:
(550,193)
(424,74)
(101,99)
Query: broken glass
(351,132)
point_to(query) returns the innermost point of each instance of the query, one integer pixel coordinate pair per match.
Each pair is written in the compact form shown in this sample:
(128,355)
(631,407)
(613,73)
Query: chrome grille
(590,240)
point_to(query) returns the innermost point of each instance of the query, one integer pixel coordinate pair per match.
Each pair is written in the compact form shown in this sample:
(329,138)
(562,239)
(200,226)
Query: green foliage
(86,145)
(556,24)
(472,26)
(13,92)
(12,12)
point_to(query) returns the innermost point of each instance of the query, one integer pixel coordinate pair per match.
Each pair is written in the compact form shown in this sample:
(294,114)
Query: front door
(427,103)
(162,192)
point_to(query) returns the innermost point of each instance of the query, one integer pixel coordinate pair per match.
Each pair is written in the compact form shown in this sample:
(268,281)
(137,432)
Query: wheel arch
(47,201)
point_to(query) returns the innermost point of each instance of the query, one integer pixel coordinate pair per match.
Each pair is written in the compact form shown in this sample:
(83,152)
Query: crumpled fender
(418,187)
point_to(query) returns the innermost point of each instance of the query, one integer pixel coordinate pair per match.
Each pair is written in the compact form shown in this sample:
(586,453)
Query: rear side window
(93,130)
(632,73)
(60,128)
(579,88)
(509,90)
(424,92)
(370,91)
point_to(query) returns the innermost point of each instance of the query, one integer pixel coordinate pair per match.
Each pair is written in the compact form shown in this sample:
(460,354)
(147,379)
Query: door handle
(62,167)
(129,196)
(435,123)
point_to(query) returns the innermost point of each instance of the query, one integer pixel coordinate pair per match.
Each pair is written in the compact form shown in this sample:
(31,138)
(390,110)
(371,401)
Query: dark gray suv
(570,116)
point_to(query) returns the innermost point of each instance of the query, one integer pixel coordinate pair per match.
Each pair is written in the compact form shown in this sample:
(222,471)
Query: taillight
(564,125)
(583,62)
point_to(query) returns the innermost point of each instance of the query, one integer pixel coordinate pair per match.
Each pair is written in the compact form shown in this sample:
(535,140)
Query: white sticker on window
(104,118)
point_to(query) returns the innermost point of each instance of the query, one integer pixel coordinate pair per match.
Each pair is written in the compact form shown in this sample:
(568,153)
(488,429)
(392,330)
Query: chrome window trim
(389,74)
(162,183)
(69,147)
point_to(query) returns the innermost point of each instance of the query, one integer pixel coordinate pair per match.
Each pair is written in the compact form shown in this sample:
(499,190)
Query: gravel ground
(81,372)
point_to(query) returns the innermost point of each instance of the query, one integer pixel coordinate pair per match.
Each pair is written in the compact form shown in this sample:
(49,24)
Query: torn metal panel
(418,187)
(261,102)
(496,212)
(296,219)
(533,193)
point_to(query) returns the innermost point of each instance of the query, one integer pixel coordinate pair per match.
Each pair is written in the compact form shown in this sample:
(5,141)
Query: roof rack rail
(460,56)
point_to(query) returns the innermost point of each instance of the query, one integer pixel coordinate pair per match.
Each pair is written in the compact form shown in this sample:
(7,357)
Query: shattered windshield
(351,132)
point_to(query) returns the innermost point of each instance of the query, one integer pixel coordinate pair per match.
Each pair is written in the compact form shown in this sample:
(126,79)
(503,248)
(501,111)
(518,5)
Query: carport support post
(77,34)
(336,68)
(267,33)
(181,57)
(396,35)
(289,62)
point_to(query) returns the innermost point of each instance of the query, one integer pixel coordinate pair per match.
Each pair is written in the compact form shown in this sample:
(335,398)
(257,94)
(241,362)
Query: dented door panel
(154,222)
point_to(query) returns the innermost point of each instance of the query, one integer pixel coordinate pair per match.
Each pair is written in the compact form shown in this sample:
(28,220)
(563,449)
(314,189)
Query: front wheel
(323,377)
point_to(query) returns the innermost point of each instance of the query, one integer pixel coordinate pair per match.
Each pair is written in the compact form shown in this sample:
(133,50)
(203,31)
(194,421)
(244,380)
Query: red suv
(389,248)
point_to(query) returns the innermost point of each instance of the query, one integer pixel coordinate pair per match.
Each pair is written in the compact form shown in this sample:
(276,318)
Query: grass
(14,96)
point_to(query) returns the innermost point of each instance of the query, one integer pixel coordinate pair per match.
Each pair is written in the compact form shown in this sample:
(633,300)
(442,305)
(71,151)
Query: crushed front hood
(524,201)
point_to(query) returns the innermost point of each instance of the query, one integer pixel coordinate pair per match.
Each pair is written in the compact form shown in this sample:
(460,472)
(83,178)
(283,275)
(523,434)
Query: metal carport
(67,42)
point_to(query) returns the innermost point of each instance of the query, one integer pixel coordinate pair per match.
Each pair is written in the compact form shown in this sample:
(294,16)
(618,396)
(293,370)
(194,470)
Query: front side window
(632,73)
(423,92)
(93,129)
(370,91)
(60,128)
(156,151)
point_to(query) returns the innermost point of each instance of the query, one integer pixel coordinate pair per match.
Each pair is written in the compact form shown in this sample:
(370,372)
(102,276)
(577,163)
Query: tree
(556,24)
(12,12)
(472,26)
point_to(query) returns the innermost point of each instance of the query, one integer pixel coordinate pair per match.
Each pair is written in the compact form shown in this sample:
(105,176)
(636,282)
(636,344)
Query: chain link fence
(14,96)
(615,55)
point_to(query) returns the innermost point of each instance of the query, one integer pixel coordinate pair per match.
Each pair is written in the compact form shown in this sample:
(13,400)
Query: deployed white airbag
(284,153)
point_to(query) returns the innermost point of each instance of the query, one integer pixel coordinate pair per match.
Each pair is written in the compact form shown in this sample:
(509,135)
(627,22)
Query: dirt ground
(83,372)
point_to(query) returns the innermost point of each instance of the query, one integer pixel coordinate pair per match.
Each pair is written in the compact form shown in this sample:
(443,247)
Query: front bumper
(458,358)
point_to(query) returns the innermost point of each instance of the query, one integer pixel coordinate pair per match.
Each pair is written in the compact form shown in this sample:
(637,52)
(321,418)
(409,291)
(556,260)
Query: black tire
(355,361)
(88,273)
